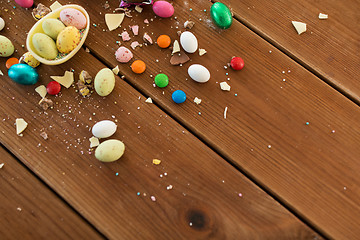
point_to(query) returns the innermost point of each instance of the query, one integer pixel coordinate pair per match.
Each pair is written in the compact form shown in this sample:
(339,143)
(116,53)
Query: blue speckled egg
(23,74)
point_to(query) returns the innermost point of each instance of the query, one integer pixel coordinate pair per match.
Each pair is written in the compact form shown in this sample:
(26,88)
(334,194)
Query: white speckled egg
(188,42)
(104,82)
(110,150)
(104,129)
(6,47)
(2,24)
(199,73)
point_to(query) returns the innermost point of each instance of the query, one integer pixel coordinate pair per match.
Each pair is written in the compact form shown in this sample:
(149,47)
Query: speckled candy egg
(73,17)
(6,47)
(123,55)
(23,74)
(44,46)
(104,82)
(68,39)
(25,3)
(52,27)
(163,9)
(29,60)
(110,150)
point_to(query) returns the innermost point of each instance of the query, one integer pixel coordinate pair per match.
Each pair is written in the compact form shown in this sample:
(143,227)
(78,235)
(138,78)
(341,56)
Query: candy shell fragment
(55,6)
(299,27)
(20,125)
(147,38)
(225,86)
(197,100)
(116,70)
(156,161)
(94,142)
(179,58)
(149,100)
(189,24)
(113,21)
(202,51)
(176,47)
(134,44)
(323,16)
(41,90)
(138,8)
(135,29)
(65,80)
(125,36)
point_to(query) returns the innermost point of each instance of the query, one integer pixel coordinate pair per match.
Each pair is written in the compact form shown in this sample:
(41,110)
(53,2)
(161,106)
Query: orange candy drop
(11,61)
(138,66)
(163,41)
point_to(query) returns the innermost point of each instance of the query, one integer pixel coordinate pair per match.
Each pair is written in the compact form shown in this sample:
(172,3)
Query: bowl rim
(48,16)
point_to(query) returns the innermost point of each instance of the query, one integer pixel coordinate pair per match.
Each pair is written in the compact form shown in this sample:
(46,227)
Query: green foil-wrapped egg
(23,74)
(221,15)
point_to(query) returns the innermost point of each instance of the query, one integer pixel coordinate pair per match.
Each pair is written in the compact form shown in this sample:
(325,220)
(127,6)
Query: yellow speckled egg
(29,60)
(104,82)
(44,46)
(52,27)
(68,39)
(6,47)
(110,150)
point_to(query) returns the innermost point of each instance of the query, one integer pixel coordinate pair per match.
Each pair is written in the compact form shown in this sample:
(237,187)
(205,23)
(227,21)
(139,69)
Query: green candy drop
(221,15)
(161,80)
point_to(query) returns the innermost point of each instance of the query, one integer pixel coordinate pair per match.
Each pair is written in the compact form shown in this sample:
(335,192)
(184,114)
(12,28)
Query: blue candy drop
(179,96)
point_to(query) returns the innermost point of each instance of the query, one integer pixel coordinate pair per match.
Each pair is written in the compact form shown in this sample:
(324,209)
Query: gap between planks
(192,131)
(53,191)
(294,58)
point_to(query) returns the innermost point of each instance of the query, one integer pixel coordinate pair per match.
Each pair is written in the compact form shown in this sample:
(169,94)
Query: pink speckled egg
(163,9)
(73,17)
(123,55)
(25,3)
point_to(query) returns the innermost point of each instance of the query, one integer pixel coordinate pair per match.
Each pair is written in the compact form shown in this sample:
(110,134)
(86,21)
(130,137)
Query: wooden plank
(204,201)
(29,210)
(287,129)
(329,47)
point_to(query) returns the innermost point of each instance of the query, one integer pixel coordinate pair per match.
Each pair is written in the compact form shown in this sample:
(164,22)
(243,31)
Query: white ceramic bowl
(37,28)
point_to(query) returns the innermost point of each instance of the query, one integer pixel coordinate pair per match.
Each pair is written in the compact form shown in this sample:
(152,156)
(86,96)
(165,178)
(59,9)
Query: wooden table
(284,164)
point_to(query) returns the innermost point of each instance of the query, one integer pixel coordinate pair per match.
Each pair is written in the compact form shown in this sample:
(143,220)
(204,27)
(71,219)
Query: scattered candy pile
(59,36)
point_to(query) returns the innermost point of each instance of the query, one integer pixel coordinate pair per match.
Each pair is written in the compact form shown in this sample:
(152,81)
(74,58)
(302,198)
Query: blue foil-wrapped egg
(23,74)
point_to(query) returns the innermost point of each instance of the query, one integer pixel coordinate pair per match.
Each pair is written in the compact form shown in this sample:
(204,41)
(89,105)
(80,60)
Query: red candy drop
(237,63)
(53,88)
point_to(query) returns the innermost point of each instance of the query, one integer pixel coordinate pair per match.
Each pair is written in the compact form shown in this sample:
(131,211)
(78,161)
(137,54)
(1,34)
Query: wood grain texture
(287,129)
(204,202)
(29,210)
(329,47)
